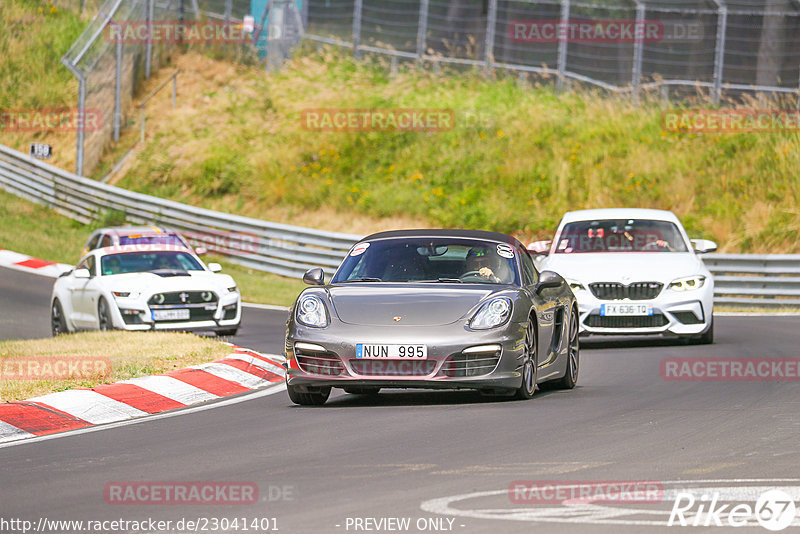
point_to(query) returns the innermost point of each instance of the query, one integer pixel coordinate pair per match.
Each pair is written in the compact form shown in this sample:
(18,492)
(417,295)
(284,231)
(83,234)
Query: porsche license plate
(626,309)
(171,315)
(391,352)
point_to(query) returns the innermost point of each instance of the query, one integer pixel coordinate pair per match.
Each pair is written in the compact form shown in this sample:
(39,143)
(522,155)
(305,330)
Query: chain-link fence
(127,40)
(713,47)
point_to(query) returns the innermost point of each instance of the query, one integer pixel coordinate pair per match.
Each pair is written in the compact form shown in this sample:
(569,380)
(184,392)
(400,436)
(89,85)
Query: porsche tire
(308,398)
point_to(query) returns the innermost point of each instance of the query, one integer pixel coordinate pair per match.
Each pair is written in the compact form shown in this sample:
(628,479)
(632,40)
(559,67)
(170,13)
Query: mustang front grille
(471,364)
(393,367)
(617,291)
(184,297)
(635,321)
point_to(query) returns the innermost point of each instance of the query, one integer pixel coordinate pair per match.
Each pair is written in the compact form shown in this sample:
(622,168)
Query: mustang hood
(149,282)
(613,267)
(416,305)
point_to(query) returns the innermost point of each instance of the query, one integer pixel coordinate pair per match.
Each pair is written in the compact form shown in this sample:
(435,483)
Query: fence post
(562,44)
(638,45)
(228,9)
(117,84)
(491,22)
(357,9)
(276,27)
(149,53)
(422,28)
(81,124)
(719,55)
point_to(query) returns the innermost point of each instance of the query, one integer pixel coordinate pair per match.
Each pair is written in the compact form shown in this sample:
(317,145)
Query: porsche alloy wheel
(529,367)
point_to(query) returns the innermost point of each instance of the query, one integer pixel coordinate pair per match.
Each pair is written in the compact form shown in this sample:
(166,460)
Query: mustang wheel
(104,315)
(230,332)
(57,322)
(529,365)
(573,356)
(308,398)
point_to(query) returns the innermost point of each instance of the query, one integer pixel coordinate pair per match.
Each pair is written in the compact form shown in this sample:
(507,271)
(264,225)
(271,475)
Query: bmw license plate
(181,314)
(626,309)
(391,352)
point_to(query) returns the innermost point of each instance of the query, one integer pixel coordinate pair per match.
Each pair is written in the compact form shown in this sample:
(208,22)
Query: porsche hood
(414,305)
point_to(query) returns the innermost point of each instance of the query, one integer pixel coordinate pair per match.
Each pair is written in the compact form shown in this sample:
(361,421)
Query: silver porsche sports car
(454,309)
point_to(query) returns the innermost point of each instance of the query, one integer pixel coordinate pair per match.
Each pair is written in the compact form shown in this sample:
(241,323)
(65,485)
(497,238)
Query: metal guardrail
(768,280)
(267,246)
(771,280)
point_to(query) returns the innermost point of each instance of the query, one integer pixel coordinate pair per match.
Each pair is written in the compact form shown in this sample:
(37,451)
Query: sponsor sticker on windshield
(505,251)
(359,249)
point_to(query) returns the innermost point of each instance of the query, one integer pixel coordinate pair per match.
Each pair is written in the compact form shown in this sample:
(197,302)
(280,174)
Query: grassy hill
(517,158)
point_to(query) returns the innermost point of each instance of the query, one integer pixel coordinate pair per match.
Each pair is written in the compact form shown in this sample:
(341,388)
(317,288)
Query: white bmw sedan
(634,271)
(145,287)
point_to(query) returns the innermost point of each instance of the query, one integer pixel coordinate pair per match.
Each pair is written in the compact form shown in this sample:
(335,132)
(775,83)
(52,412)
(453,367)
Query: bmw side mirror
(548,279)
(81,273)
(214,267)
(702,246)
(314,277)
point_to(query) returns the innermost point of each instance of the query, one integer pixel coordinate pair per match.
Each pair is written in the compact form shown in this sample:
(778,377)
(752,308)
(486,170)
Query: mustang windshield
(140,262)
(441,259)
(620,235)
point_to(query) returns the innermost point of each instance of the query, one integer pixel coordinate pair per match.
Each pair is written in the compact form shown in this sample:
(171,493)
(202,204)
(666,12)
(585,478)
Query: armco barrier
(771,280)
(266,246)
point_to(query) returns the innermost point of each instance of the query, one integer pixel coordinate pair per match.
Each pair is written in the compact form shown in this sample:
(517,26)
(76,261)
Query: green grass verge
(38,231)
(518,157)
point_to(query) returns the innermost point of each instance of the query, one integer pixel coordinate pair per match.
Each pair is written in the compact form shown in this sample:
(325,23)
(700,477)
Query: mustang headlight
(688,283)
(125,294)
(311,311)
(494,313)
(233,289)
(574,285)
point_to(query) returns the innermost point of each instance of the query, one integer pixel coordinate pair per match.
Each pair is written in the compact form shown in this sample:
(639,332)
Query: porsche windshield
(620,235)
(456,260)
(140,262)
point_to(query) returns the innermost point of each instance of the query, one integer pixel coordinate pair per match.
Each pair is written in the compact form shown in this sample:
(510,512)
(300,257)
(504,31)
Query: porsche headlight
(311,312)
(574,285)
(494,313)
(688,283)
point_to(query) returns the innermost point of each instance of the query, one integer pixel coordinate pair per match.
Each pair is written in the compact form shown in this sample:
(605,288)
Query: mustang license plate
(171,315)
(626,309)
(391,352)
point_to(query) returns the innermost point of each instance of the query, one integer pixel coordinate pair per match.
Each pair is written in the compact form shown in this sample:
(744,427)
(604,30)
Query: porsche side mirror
(214,267)
(548,279)
(314,277)
(702,246)
(81,273)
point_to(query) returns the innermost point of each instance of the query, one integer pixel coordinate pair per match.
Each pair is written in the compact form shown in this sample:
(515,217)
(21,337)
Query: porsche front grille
(367,367)
(319,363)
(470,364)
(617,291)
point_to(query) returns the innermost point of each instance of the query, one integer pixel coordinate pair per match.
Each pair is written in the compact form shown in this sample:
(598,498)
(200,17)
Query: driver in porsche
(479,261)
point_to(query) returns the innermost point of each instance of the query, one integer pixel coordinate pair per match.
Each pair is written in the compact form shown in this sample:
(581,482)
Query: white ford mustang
(634,271)
(145,287)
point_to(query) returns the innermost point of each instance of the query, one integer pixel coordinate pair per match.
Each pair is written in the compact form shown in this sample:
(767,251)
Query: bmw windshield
(620,235)
(455,260)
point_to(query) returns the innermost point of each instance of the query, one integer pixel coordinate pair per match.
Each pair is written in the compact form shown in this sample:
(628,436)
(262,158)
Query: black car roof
(441,232)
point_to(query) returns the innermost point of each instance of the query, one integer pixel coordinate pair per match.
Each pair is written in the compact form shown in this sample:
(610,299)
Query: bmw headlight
(494,313)
(574,285)
(688,283)
(311,311)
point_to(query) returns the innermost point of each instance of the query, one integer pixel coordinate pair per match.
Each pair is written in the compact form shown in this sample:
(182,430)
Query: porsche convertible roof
(439,232)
